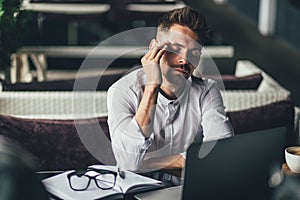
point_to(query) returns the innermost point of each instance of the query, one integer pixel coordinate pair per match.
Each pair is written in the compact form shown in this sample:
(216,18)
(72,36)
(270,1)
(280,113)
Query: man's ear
(152,43)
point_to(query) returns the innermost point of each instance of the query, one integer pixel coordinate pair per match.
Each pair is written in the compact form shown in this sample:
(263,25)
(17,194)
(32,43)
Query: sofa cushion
(269,116)
(232,82)
(55,144)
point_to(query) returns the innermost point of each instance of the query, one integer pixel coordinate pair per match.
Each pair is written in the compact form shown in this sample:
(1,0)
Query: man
(157,111)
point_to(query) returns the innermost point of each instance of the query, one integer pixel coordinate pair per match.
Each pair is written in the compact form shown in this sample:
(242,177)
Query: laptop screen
(237,168)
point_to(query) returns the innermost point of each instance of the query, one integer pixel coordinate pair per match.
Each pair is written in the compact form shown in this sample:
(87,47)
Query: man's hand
(165,162)
(151,61)
(178,162)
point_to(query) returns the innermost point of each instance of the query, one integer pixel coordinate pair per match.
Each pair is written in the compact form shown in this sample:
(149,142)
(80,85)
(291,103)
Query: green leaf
(13,29)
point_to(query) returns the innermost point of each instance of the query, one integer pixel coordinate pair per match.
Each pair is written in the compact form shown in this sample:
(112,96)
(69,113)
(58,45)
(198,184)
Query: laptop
(239,167)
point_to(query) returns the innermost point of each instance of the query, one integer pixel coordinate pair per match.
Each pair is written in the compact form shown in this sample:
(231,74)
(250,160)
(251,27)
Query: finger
(147,55)
(152,47)
(153,53)
(157,50)
(160,53)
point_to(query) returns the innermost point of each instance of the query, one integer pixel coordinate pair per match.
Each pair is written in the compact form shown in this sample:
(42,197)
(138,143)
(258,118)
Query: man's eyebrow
(177,44)
(181,45)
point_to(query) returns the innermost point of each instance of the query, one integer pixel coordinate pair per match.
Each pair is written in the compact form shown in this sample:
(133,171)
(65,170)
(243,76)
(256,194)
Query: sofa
(46,122)
(56,144)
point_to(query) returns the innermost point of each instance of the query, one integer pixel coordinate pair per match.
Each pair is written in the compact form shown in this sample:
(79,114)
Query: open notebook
(132,183)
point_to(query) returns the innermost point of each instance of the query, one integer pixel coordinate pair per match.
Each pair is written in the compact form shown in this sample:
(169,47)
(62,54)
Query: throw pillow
(264,117)
(232,82)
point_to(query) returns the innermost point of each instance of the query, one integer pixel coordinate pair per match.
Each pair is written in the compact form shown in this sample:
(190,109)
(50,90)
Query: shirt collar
(162,99)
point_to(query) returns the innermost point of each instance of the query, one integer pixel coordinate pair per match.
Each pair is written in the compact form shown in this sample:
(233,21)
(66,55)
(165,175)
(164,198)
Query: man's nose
(183,60)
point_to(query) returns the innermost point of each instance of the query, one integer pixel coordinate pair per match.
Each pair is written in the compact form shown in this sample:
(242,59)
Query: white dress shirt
(197,114)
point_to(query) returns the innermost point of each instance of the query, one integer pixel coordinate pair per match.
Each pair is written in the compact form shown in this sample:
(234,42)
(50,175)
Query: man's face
(183,52)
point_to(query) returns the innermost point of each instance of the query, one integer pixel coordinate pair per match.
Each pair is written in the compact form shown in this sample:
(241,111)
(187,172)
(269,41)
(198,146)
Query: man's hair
(186,17)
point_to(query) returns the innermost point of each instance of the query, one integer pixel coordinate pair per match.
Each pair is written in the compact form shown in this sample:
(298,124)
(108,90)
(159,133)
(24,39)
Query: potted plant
(14,24)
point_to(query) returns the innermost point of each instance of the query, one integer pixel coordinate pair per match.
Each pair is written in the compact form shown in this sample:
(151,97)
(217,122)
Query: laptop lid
(235,168)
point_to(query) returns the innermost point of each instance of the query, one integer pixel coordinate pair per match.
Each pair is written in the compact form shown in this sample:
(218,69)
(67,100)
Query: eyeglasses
(80,180)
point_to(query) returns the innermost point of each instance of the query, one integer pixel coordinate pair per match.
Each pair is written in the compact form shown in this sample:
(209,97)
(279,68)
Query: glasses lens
(106,181)
(79,182)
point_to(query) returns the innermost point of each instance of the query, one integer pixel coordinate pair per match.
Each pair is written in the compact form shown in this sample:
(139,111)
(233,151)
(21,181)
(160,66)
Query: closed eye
(195,53)
(174,48)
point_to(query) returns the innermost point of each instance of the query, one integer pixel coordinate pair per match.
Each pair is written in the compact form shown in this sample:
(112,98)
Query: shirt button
(148,142)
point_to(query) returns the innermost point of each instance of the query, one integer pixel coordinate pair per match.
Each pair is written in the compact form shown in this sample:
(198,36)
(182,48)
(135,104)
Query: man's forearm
(165,162)
(145,112)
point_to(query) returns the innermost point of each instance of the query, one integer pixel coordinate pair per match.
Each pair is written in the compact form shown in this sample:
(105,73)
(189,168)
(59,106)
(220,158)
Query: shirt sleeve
(215,123)
(128,143)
